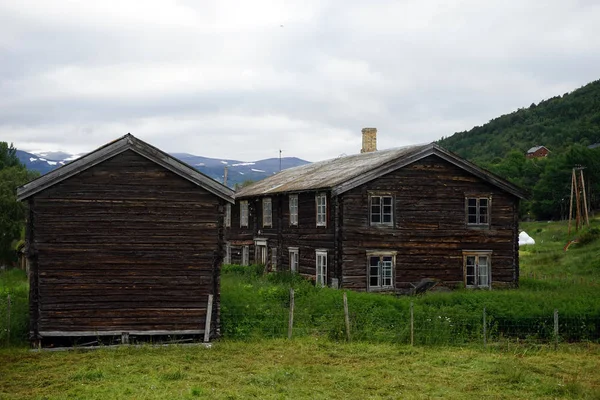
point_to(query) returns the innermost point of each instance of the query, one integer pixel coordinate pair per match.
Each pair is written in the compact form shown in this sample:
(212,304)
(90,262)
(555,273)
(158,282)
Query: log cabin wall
(124,246)
(429,233)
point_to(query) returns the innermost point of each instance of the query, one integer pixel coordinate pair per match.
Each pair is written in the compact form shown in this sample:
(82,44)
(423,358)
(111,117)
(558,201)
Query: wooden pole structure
(208,318)
(291,320)
(571,200)
(347,317)
(412,325)
(555,329)
(577,201)
(585,207)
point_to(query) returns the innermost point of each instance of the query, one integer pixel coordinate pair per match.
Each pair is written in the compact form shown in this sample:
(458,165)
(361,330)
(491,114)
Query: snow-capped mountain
(238,171)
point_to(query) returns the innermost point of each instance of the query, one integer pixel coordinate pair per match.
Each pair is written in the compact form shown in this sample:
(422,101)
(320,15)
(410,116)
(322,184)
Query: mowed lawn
(303,368)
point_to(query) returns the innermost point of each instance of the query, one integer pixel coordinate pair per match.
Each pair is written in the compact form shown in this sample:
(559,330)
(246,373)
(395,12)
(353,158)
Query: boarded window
(244,213)
(245,255)
(293,209)
(267,212)
(382,210)
(478,211)
(227,215)
(227,258)
(321,200)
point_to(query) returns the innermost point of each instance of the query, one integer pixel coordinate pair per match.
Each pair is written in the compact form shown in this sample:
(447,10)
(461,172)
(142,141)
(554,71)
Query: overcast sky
(243,79)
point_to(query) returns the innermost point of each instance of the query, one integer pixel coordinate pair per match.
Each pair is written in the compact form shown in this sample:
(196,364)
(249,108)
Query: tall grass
(13,283)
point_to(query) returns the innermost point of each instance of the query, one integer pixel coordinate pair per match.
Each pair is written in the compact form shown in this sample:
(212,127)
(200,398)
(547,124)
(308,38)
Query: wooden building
(382,221)
(537,152)
(124,241)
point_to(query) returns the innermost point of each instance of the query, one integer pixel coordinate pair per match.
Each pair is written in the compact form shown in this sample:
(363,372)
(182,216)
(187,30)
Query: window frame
(321,209)
(476,273)
(381,196)
(478,213)
(293,209)
(244,213)
(294,256)
(381,254)
(227,216)
(261,251)
(267,212)
(320,270)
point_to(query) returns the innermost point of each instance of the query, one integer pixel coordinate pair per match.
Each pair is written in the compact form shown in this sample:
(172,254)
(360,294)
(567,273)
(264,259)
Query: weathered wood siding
(430,231)
(124,246)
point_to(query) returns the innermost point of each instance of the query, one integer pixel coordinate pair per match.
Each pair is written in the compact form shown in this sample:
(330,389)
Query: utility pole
(279,160)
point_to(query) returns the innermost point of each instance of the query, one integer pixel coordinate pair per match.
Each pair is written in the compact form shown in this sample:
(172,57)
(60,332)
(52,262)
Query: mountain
(238,171)
(557,123)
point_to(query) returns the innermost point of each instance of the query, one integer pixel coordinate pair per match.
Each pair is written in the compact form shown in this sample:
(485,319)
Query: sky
(245,79)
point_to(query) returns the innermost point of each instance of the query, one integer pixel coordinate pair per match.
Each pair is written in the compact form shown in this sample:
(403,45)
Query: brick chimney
(369,140)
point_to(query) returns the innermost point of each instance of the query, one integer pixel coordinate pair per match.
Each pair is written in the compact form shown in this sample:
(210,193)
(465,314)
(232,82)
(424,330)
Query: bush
(13,283)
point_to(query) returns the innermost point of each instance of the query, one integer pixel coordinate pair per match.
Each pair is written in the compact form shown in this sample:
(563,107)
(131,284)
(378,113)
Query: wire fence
(412,326)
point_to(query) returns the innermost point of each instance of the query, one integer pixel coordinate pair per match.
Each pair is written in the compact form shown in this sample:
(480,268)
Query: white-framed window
(478,211)
(477,268)
(381,268)
(381,210)
(227,258)
(245,255)
(244,213)
(293,199)
(321,264)
(273,259)
(321,200)
(267,207)
(294,258)
(227,215)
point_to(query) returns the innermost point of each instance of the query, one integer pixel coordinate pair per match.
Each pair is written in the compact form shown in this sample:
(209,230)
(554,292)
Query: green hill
(566,125)
(556,123)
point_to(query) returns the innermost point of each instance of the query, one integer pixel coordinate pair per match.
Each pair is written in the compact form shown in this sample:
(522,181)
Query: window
(321,268)
(321,200)
(381,210)
(227,215)
(381,270)
(243,213)
(245,255)
(478,211)
(294,259)
(273,259)
(267,212)
(477,269)
(293,209)
(260,251)
(227,258)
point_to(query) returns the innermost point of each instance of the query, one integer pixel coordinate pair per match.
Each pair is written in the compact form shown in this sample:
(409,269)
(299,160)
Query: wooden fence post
(347,316)
(484,330)
(291,321)
(555,329)
(412,325)
(8,320)
(208,318)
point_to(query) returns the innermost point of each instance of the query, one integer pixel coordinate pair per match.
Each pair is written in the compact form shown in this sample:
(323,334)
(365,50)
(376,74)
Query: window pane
(483,271)
(470,270)
(483,202)
(472,202)
(387,201)
(375,200)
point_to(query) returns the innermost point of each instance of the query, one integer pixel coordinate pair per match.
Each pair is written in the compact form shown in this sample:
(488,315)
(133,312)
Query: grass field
(310,368)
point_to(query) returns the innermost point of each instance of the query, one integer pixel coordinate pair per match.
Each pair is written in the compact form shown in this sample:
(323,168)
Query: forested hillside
(566,125)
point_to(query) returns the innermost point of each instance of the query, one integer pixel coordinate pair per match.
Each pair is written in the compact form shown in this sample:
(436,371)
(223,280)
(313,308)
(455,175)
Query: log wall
(124,246)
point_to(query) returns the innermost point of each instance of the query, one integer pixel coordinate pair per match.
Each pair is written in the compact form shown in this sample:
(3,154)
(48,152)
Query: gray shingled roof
(344,173)
(534,149)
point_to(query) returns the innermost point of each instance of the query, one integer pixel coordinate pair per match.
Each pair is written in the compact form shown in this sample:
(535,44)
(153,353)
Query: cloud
(242,80)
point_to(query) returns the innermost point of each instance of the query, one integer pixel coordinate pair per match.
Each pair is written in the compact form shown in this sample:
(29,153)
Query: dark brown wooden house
(382,221)
(124,241)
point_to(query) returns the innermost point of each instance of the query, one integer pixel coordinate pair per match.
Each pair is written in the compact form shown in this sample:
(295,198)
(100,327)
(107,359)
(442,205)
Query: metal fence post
(291,321)
(412,325)
(555,329)
(484,330)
